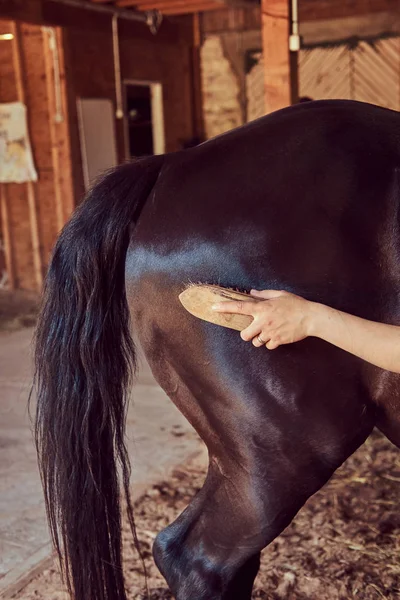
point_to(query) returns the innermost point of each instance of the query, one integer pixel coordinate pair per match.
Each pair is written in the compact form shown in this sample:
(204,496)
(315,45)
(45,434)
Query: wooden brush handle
(198,300)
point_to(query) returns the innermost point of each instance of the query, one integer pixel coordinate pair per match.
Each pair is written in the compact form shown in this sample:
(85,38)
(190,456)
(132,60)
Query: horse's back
(305,199)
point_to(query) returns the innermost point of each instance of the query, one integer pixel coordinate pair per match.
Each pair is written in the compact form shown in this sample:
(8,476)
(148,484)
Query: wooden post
(198,121)
(6,232)
(31,189)
(49,43)
(280,65)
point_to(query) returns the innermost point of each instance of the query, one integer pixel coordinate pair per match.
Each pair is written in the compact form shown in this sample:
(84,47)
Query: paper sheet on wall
(16,160)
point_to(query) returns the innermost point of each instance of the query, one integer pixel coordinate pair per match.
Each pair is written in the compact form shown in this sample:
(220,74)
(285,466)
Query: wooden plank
(176,7)
(325,73)
(221,3)
(30,185)
(64,130)
(280,65)
(195,8)
(376,73)
(6,236)
(197,95)
(164,5)
(317,32)
(34,222)
(30,11)
(48,40)
(310,10)
(234,19)
(7,94)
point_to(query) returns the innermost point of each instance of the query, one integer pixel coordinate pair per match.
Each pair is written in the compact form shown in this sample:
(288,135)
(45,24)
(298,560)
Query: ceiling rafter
(177,7)
(156,4)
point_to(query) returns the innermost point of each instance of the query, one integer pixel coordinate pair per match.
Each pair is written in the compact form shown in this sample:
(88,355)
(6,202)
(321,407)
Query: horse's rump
(305,200)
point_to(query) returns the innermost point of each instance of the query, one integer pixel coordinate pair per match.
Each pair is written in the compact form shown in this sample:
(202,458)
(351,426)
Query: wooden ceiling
(177,7)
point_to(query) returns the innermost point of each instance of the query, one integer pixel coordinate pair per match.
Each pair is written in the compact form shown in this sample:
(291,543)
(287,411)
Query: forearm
(376,343)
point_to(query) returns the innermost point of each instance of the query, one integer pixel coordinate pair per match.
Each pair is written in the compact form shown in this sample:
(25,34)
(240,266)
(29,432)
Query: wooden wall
(144,57)
(233,19)
(238,30)
(33,213)
(240,19)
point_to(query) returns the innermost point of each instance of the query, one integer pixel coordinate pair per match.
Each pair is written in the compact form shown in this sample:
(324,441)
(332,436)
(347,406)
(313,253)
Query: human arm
(282,318)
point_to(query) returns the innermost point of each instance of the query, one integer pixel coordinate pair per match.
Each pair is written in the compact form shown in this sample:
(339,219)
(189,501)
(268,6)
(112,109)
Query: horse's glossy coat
(307,200)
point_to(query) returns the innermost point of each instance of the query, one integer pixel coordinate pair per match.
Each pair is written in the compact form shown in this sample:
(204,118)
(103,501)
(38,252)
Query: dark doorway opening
(139,120)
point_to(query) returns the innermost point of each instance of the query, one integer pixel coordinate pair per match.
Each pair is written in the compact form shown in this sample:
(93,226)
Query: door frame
(157,114)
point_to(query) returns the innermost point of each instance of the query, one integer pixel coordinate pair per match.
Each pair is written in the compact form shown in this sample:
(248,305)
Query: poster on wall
(16,160)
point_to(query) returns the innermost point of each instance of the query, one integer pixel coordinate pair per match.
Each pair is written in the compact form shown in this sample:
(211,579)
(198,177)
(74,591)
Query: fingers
(254,334)
(272,344)
(256,341)
(267,294)
(251,331)
(259,311)
(236,307)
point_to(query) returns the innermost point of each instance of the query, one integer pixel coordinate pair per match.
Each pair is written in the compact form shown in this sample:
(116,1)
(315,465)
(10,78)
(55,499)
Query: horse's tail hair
(84,359)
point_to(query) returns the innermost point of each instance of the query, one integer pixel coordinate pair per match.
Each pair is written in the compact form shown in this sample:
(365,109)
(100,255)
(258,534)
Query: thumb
(266,294)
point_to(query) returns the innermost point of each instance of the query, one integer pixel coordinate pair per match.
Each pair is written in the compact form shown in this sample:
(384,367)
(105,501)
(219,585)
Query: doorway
(144,119)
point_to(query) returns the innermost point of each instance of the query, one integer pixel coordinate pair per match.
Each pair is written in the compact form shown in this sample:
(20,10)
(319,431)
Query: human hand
(278,318)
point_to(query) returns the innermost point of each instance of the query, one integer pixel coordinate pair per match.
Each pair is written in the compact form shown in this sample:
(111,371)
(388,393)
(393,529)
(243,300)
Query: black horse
(306,199)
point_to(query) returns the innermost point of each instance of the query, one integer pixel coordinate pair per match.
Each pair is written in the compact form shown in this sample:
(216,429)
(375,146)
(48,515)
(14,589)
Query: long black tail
(85,357)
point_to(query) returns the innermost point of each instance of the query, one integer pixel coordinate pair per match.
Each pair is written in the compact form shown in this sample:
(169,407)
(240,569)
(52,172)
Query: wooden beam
(49,39)
(196,87)
(155,4)
(193,8)
(150,4)
(280,65)
(311,10)
(30,185)
(162,5)
(169,3)
(171,7)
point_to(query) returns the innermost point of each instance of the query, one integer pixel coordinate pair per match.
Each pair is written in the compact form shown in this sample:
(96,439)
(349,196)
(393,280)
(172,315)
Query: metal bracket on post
(294,38)
(117,68)
(153,20)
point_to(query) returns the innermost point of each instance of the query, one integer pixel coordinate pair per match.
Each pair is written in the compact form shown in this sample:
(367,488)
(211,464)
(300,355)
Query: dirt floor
(343,544)
(17,309)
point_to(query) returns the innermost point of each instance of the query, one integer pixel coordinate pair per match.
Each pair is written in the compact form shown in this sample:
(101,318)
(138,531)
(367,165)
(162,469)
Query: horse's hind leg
(212,551)
(276,430)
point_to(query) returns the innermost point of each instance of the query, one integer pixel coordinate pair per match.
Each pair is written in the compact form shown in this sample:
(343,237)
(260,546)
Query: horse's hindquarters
(300,201)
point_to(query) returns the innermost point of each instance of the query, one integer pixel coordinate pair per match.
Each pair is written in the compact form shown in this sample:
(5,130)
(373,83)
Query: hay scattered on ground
(344,544)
